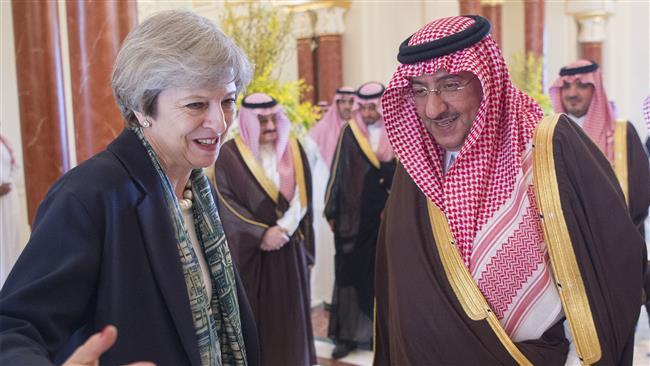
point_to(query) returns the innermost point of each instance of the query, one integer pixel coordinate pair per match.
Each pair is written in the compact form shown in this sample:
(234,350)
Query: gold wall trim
(364,145)
(462,283)
(492,2)
(563,259)
(620,156)
(299,169)
(602,14)
(298,6)
(374,327)
(256,169)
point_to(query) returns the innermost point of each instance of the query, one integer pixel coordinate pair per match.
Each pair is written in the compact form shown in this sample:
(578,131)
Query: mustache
(444,117)
(268,131)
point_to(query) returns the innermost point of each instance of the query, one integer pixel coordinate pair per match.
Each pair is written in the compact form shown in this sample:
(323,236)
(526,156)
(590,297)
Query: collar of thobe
(578,120)
(374,133)
(450,158)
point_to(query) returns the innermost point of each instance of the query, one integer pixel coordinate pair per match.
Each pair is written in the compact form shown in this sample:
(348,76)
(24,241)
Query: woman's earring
(146,123)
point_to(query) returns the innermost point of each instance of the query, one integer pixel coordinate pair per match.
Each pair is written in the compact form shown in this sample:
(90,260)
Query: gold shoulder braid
(257,170)
(470,297)
(235,212)
(364,144)
(620,156)
(337,157)
(566,272)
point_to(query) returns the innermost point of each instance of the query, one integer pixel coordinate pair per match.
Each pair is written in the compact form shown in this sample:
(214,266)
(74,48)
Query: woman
(132,237)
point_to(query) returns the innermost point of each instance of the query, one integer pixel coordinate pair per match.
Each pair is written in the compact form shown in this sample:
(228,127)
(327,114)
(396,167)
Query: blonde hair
(174,49)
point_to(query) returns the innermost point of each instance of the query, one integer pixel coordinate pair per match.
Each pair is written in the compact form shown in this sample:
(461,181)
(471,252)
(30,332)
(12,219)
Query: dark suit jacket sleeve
(46,295)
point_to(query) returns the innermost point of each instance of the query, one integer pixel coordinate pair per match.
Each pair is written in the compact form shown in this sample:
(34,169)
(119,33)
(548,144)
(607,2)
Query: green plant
(263,30)
(526,71)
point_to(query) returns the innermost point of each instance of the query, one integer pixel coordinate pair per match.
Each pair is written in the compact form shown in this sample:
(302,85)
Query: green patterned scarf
(216,319)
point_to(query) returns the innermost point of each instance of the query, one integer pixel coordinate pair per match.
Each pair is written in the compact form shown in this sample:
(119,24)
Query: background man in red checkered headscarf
(320,146)
(325,133)
(467,270)
(579,92)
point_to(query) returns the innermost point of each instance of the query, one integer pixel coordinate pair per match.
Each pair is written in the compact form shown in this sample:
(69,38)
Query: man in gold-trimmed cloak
(579,92)
(362,171)
(506,238)
(264,202)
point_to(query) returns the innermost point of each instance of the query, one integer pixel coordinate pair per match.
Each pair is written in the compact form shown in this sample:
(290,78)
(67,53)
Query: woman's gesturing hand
(88,353)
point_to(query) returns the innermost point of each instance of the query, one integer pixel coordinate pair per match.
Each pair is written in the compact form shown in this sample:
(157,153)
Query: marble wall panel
(330,66)
(40,96)
(307,68)
(96,30)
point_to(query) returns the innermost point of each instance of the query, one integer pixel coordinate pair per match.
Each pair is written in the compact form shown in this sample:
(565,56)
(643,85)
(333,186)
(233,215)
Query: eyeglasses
(448,90)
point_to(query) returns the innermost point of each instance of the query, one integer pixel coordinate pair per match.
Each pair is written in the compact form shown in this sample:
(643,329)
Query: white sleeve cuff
(292,217)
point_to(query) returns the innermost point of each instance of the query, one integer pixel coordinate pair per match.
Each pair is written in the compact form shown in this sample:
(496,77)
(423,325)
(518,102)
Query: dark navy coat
(103,251)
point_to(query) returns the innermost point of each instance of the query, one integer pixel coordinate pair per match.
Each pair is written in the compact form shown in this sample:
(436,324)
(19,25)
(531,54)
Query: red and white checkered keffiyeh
(484,173)
(249,128)
(599,121)
(384,151)
(325,132)
(487,196)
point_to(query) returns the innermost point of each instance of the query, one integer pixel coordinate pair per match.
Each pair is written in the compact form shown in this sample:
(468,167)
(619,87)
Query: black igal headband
(370,96)
(579,70)
(444,46)
(345,92)
(270,104)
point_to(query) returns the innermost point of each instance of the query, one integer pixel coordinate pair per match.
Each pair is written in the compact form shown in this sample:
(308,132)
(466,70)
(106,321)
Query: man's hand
(274,238)
(88,353)
(5,188)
